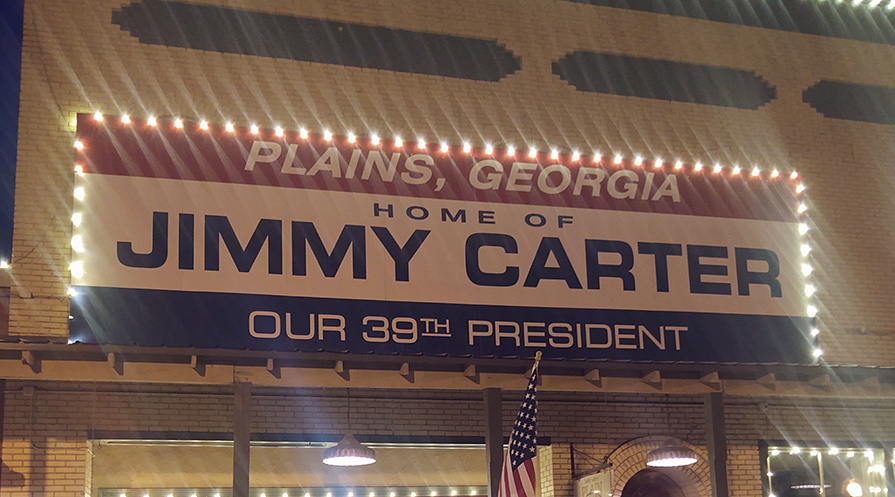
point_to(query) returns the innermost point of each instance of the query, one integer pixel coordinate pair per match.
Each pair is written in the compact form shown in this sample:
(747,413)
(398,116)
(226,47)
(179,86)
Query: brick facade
(75,60)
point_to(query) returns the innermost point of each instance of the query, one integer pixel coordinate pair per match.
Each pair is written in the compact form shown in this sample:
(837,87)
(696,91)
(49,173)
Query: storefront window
(827,472)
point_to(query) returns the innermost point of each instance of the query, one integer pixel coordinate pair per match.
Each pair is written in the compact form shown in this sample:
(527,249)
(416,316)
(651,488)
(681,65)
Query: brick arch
(630,457)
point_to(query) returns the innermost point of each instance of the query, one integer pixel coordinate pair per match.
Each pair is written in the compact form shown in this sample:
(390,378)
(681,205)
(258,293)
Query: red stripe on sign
(338,164)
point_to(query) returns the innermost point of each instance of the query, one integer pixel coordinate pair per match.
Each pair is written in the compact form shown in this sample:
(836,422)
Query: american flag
(519,474)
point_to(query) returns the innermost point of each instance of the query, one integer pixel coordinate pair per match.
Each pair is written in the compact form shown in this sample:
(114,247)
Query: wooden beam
(472,374)
(711,380)
(242,429)
(821,381)
(593,376)
(406,372)
(117,362)
(30,358)
(342,370)
(653,379)
(274,368)
(768,381)
(716,441)
(493,437)
(198,365)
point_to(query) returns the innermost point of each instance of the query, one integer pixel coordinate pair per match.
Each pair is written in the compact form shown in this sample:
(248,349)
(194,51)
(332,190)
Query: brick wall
(47,426)
(76,60)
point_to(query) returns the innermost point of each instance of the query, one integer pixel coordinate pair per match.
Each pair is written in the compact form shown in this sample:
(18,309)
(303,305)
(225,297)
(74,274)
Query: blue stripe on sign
(206,320)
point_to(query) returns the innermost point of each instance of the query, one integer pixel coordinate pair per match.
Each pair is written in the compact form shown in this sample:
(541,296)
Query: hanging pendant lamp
(670,455)
(349,452)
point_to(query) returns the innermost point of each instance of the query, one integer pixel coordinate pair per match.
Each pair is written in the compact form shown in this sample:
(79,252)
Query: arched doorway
(652,483)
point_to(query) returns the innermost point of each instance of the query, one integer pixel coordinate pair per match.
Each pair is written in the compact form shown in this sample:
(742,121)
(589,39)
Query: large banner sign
(193,235)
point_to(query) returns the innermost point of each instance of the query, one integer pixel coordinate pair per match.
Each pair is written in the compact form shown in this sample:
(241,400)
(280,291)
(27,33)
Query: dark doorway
(652,483)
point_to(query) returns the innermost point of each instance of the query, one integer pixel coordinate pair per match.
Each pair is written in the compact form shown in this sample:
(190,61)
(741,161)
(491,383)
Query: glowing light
(833,450)
(254,129)
(328,135)
(775,173)
(170,495)
(803,228)
(178,123)
(794,175)
(76,218)
(473,493)
(126,119)
(554,154)
(4,264)
(229,128)
(576,155)
(79,193)
(806,249)
(868,454)
(278,131)
(79,169)
(399,142)
(817,353)
(813,452)
(807,269)
(151,121)
(77,269)
(391,494)
(770,474)
(307,494)
(433,493)
(617,160)
(467,148)
(98,116)
(203,125)
(71,292)
(812,311)
(795,450)
(698,167)
(814,333)
(891,5)
(856,2)
(850,453)
(597,158)
(638,161)
(122,495)
(372,494)
(810,290)
(352,138)
(756,171)
(79,145)
(453,493)
(489,149)
(77,243)
(800,188)
(802,208)
(285,494)
(532,153)
(421,144)
(303,134)
(374,139)
(412,494)
(775,452)
(874,3)
(717,168)
(445,148)
(511,151)
(736,170)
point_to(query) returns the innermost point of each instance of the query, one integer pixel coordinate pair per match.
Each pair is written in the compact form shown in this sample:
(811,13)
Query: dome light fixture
(349,452)
(670,455)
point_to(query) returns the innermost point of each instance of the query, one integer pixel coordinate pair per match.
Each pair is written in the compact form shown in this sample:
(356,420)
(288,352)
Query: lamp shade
(349,452)
(669,456)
